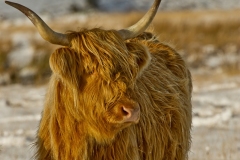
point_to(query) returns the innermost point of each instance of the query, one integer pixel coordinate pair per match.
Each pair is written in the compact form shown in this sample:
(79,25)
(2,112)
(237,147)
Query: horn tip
(8,2)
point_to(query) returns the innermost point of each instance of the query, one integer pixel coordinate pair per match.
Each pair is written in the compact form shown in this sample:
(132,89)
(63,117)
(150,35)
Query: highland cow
(114,95)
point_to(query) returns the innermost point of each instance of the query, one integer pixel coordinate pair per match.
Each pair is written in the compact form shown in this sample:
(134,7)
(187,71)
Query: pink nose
(131,114)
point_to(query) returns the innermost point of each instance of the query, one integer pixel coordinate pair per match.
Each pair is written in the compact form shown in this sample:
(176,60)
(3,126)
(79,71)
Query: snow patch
(12,141)
(36,117)
(213,120)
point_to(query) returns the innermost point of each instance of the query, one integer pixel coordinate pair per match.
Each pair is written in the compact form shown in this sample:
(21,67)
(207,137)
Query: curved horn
(45,31)
(142,24)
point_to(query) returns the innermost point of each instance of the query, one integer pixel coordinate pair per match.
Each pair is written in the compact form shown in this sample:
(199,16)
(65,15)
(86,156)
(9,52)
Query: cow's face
(104,69)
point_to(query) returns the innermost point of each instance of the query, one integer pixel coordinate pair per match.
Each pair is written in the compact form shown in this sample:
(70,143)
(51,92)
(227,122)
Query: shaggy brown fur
(97,75)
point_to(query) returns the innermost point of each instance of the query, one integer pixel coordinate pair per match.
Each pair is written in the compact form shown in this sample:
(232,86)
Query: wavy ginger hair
(96,75)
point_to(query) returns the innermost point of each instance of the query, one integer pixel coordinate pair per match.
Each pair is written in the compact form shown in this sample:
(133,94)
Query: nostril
(130,114)
(126,111)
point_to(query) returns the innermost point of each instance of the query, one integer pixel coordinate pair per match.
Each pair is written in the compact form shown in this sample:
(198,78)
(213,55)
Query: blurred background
(206,33)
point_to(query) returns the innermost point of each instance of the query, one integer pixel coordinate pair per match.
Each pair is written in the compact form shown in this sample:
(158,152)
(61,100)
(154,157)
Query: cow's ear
(141,55)
(65,63)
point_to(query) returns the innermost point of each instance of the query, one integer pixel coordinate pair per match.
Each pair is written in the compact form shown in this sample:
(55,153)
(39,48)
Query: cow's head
(101,69)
